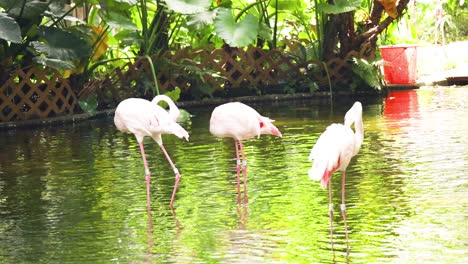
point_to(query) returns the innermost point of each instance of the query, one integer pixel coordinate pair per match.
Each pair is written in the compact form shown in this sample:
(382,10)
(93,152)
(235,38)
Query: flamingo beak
(275,131)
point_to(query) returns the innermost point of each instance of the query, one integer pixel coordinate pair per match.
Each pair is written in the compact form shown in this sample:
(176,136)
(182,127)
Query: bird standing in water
(144,118)
(240,122)
(333,151)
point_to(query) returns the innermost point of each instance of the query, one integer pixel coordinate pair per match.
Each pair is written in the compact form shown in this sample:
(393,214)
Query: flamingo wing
(135,115)
(332,151)
(234,120)
(143,118)
(240,121)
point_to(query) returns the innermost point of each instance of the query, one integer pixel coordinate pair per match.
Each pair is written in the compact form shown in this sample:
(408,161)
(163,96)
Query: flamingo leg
(176,171)
(330,211)
(147,176)
(343,206)
(238,168)
(244,171)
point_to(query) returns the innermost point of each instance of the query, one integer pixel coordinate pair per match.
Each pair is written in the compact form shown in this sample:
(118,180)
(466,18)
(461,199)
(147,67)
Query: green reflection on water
(77,193)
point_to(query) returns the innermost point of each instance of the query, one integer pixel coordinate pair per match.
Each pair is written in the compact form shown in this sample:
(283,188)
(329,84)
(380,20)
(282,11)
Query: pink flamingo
(144,118)
(240,122)
(333,151)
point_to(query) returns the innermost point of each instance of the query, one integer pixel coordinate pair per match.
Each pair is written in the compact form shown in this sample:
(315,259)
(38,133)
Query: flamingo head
(353,114)
(266,127)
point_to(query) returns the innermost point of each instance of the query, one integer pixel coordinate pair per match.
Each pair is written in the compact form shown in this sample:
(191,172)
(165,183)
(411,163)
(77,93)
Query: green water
(76,193)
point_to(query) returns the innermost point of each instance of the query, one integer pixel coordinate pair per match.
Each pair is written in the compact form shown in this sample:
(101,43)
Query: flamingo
(333,151)
(144,118)
(240,122)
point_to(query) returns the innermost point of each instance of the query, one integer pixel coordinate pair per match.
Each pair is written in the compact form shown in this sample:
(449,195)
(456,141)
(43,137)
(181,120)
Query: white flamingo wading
(144,118)
(333,151)
(240,122)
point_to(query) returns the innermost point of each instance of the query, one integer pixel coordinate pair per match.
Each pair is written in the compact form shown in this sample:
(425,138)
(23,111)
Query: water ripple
(77,194)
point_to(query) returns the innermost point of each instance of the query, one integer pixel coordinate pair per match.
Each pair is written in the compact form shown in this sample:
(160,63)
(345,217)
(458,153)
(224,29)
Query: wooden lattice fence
(238,68)
(42,93)
(35,93)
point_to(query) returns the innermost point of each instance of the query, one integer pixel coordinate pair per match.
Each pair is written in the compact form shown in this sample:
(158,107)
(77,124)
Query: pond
(76,193)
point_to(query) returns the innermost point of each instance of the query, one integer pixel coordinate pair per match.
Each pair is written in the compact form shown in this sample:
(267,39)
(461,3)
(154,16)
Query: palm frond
(368,71)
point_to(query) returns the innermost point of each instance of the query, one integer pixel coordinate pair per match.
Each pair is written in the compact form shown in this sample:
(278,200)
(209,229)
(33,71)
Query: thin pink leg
(147,176)
(238,167)
(343,206)
(331,211)
(176,171)
(244,171)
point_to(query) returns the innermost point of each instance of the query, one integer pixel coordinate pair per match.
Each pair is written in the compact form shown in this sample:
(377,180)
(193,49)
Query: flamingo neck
(358,133)
(174,112)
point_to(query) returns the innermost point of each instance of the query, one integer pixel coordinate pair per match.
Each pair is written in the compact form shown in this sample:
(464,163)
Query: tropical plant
(199,14)
(31,33)
(239,23)
(456,12)
(45,33)
(442,22)
(367,72)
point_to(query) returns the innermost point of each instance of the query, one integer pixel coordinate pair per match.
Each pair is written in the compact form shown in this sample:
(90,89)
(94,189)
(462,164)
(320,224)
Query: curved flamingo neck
(359,127)
(174,111)
(354,116)
(358,133)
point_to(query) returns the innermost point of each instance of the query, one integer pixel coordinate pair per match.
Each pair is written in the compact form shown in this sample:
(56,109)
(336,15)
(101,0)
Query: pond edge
(195,103)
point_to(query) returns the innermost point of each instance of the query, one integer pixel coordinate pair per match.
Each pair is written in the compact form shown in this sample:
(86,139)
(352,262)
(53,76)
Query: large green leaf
(200,20)
(89,104)
(54,63)
(31,10)
(57,11)
(265,32)
(62,45)
(288,4)
(108,4)
(188,7)
(115,5)
(340,6)
(9,29)
(174,94)
(118,20)
(236,34)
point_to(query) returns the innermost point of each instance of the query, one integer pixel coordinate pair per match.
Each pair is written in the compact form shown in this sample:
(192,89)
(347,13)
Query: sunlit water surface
(76,193)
